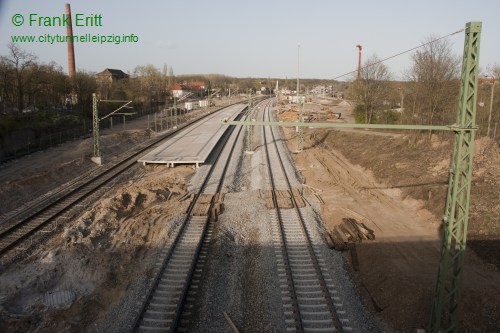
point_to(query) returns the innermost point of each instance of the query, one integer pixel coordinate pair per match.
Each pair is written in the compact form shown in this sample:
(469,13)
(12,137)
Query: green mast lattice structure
(95,132)
(446,303)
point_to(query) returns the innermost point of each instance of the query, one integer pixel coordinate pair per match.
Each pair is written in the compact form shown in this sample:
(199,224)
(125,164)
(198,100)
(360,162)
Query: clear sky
(253,38)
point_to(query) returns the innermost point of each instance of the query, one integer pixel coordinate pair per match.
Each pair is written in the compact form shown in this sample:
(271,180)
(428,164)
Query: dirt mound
(28,178)
(81,271)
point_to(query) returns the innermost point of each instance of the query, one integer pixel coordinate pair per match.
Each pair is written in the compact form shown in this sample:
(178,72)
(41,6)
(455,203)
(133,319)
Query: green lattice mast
(446,303)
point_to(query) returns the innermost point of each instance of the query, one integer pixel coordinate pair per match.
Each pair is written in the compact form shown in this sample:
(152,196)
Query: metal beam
(447,297)
(454,127)
(121,107)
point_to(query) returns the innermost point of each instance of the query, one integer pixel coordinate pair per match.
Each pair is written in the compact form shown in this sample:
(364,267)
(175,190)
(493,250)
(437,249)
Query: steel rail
(284,252)
(326,297)
(164,313)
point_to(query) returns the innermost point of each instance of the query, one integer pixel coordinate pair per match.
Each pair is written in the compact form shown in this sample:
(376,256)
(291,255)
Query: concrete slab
(193,145)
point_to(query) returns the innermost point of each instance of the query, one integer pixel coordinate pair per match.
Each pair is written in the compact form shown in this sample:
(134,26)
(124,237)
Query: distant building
(293,99)
(180,90)
(108,76)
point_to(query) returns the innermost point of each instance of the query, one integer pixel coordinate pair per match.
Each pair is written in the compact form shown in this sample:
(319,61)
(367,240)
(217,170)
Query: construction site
(143,201)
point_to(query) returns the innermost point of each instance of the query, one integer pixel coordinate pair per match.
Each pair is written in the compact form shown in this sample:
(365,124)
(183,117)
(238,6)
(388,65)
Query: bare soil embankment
(397,186)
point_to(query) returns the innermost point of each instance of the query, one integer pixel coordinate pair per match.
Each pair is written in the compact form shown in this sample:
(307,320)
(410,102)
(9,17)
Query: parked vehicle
(11,110)
(30,109)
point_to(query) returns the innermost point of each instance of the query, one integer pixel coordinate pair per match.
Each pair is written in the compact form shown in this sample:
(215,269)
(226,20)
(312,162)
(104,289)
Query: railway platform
(194,144)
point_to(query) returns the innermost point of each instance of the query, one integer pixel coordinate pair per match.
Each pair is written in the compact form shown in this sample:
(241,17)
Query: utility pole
(96,158)
(402,104)
(491,107)
(299,104)
(447,296)
(250,128)
(174,125)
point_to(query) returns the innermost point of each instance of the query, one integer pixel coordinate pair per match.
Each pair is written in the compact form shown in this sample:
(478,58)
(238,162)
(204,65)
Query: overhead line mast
(447,297)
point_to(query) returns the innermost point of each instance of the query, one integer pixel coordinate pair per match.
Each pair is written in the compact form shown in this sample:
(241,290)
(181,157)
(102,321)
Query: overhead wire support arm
(97,158)
(454,127)
(121,107)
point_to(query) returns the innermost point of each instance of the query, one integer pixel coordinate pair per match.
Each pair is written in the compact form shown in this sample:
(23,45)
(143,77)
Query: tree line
(428,93)
(26,82)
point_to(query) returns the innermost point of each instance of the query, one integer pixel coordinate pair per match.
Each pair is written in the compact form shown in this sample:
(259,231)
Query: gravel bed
(360,318)
(240,270)
(240,273)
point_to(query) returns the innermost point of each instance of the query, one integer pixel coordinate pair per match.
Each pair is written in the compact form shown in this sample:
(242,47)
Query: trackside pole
(96,158)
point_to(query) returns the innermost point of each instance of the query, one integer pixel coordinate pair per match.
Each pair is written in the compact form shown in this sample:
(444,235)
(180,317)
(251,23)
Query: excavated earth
(396,184)
(88,276)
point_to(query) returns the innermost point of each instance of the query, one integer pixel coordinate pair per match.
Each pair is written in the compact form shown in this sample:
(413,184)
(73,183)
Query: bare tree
(149,84)
(171,78)
(45,84)
(4,82)
(495,70)
(434,82)
(84,84)
(373,88)
(493,116)
(20,61)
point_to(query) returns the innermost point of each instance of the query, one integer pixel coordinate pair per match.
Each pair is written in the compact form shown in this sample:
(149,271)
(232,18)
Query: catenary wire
(400,53)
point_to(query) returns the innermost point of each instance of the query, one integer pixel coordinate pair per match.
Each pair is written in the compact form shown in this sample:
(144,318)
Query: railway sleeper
(153,316)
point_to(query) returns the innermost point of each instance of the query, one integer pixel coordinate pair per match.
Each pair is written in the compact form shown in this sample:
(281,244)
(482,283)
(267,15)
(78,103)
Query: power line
(400,53)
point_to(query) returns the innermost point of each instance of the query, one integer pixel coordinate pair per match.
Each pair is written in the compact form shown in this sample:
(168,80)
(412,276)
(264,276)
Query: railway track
(181,263)
(310,299)
(23,223)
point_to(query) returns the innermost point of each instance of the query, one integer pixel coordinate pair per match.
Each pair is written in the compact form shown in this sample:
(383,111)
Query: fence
(26,144)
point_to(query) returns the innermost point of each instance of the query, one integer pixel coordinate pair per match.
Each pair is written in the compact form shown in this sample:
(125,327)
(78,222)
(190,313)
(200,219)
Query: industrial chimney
(71,48)
(360,50)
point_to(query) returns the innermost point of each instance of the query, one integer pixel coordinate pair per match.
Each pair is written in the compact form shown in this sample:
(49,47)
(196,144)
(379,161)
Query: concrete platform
(193,145)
